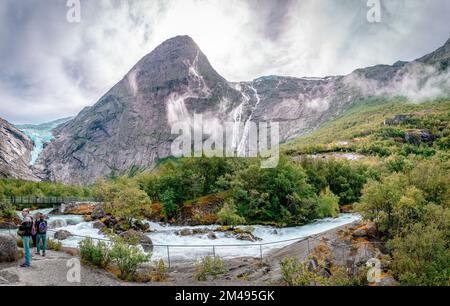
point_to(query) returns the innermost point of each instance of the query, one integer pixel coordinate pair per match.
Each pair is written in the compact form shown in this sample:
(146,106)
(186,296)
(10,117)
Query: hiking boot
(24,265)
(43,254)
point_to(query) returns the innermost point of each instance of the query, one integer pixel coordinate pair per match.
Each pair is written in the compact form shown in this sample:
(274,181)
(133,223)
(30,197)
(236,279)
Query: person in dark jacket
(24,232)
(41,233)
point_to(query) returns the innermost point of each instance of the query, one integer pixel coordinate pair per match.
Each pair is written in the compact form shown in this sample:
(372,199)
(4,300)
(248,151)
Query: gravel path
(52,270)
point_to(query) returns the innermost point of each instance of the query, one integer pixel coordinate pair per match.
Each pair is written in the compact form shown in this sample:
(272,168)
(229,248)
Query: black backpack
(42,227)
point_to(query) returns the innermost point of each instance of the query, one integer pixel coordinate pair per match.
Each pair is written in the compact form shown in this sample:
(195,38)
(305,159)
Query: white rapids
(191,247)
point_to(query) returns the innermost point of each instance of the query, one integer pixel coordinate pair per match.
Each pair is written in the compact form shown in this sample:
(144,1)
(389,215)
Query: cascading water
(191,247)
(243,143)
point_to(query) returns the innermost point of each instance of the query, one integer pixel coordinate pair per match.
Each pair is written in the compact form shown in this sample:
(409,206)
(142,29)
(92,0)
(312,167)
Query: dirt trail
(52,270)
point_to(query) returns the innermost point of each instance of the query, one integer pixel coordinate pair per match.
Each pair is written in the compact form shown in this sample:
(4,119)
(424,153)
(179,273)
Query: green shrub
(94,253)
(228,215)
(422,257)
(6,210)
(126,257)
(159,273)
(295,273)
(209,266)
(327,204)
(53,245)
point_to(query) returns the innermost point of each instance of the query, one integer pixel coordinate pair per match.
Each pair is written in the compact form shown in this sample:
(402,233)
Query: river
(189,247)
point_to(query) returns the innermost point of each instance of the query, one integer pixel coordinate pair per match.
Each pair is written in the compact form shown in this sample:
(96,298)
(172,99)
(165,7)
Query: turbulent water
(191,247)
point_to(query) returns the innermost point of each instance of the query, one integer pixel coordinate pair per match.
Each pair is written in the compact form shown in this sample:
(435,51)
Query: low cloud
(51,68)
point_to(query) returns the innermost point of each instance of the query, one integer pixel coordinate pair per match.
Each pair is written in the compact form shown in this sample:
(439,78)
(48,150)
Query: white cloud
(50,68)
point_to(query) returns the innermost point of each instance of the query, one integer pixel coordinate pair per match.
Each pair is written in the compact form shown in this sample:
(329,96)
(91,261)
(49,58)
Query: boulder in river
(186,232)
(212,236)
(62,235)
(247,237)
(57,223)
(98,213)
(98,225)
(8,249)
(135,237)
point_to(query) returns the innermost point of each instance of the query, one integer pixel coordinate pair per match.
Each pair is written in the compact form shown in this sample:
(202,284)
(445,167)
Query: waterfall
(244,140)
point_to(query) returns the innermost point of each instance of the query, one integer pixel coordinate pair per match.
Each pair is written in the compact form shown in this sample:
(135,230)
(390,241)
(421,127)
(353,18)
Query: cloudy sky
(51,68)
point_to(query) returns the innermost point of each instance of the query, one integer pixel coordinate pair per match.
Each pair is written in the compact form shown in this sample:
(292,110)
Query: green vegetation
(122,198)
(328,204)
(6,211)
(17,188)
(399,180)
(365,129)
(228,215)
(252,195)
(411,210)
(296,273)
(159,273)
(209,266)
(125,257)
(93,253)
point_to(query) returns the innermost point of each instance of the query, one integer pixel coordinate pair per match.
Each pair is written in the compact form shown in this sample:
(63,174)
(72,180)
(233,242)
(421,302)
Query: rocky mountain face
(15,153)
(130,126)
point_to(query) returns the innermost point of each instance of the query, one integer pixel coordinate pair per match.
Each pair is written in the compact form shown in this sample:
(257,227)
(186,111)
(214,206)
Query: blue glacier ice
(40,134)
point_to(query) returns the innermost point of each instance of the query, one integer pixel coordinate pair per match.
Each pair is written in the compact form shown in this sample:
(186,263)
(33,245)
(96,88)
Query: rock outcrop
(131,125)
(15,153)
(8,249)
(135,237)
(62,235)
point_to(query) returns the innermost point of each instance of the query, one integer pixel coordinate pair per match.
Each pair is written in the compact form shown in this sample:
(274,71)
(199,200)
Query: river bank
(193,246)
(239,271)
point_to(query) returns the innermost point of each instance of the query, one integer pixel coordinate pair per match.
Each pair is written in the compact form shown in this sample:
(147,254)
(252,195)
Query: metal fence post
(261,252)
(214,251)
(168,256)
(309,250)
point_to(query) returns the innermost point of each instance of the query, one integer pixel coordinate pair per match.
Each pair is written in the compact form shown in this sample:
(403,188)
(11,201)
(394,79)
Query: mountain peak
(182,46)
(441,56)
(175,59)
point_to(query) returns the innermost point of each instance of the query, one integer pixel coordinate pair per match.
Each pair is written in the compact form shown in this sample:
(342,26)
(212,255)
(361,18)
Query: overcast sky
(50,68)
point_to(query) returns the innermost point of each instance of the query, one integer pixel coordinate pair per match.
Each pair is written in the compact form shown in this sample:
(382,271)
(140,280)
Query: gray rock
(212,236)
(98,213)
(360,233)
(246,237)
(363,253)
(98,225)
(371,229)
(186,232)
(312,264)
(62,235)
(8,249)
(133,236)
(7,278)
(56,223)
(15,153)
(387,281)
(7,225)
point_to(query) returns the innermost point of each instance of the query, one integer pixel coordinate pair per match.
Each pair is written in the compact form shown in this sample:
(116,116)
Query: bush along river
(191,242)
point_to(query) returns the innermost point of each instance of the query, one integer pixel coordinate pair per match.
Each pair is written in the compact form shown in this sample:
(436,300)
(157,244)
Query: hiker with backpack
(25,232)
(41,234)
